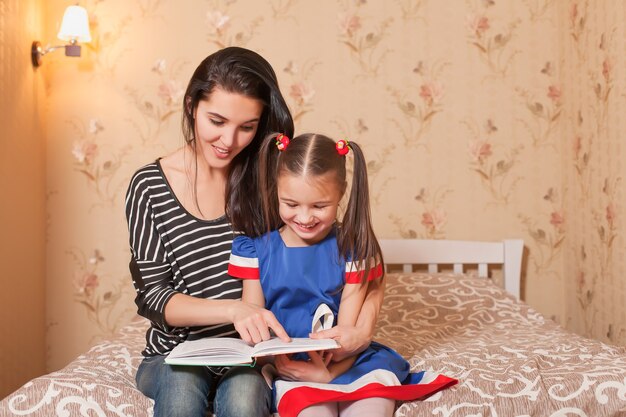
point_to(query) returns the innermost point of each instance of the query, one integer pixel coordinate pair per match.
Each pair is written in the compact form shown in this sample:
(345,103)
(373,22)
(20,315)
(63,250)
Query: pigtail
(356,238)
(267,181)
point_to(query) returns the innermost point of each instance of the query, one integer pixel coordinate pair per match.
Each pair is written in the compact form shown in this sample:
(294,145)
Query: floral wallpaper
(480,119)
(594,170)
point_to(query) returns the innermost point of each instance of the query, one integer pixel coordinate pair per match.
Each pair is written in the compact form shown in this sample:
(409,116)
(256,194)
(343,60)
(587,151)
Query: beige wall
(22,187)
(481,120)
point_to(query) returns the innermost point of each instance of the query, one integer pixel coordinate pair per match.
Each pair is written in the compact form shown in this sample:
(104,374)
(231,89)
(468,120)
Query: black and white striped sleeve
(151,272)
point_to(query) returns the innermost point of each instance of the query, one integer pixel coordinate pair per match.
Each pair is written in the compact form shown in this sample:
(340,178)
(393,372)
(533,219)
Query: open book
(227,351)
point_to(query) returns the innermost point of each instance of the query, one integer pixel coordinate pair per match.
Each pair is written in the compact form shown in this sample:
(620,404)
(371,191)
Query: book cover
(225,351)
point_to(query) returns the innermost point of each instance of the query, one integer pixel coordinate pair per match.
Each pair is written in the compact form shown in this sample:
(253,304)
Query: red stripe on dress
(297,399)
(243,272)
(354,277)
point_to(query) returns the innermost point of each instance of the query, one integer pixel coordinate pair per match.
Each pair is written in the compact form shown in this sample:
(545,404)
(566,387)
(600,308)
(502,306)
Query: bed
(508,358)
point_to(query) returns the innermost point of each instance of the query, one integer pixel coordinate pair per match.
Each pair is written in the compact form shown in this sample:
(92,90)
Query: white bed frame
(458,253)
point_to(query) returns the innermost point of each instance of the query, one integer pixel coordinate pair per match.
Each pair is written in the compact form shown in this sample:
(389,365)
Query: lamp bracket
(37,51)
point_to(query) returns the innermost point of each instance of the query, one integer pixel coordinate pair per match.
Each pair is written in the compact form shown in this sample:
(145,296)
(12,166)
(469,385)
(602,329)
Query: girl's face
(308,207)
(225,124)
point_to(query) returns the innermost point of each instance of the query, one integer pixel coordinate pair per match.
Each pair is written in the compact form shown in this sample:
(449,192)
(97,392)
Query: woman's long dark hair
(241,71)
(314,155)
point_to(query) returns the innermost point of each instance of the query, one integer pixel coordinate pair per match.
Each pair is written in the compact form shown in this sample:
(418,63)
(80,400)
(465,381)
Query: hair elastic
(282,141)
(342,146)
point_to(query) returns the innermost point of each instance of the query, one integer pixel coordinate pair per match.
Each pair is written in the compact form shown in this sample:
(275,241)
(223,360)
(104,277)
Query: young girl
(312,273)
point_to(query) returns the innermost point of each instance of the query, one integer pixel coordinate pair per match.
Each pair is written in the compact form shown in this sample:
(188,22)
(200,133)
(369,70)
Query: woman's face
(225,124)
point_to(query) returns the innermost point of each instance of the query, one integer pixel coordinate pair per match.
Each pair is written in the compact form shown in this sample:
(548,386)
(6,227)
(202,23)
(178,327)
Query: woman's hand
(253,323)
(352,340)
(315,370)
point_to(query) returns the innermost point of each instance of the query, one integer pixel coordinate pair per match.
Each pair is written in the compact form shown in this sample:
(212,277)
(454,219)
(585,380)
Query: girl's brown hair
(313,155)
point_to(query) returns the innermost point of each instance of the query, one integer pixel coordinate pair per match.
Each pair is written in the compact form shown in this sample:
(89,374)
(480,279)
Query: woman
(181,212)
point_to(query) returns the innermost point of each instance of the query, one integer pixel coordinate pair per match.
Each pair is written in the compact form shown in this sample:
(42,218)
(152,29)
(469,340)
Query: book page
(217,351)
(275,346)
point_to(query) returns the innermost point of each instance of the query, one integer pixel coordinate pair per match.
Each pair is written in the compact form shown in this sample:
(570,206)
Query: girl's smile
(308,207)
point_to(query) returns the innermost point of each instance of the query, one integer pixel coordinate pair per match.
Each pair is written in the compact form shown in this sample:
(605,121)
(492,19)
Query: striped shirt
(174,252)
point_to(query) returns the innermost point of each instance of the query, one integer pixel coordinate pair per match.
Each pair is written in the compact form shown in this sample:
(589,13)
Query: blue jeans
(184,390)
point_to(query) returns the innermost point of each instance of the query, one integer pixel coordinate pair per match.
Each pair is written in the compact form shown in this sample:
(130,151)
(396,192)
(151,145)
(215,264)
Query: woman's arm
(152,277)
(251,321)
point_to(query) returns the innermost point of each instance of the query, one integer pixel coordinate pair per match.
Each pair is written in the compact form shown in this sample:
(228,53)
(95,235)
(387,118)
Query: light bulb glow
(75,25)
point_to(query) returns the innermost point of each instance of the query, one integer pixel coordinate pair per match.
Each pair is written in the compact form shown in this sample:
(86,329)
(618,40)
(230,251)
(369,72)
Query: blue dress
(302,286)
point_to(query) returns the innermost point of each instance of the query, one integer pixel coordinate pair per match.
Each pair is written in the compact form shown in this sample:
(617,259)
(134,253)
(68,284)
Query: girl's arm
(351,304)
(318,369)
(253,293)
(356,338)
(369,312)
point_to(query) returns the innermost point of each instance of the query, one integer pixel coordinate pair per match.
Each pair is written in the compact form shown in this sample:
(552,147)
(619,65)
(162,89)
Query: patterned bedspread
(510,360)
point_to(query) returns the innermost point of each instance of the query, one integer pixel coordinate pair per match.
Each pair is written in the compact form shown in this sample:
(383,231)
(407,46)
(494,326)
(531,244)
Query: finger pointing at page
(273,324)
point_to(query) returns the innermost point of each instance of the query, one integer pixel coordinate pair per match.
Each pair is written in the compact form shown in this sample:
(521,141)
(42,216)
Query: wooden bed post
(512,268)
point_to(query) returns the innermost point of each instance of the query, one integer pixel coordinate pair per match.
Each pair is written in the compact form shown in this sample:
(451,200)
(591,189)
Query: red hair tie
(342,146)
(282,142)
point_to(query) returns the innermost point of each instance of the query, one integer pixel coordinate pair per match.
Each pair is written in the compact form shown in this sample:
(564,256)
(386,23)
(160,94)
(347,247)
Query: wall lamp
(74,29)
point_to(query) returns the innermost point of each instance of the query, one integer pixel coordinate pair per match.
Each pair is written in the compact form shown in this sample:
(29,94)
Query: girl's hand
(352,340)
(315,370)
(253,323)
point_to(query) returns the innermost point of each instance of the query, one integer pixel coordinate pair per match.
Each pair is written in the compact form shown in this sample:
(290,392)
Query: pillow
(422,309)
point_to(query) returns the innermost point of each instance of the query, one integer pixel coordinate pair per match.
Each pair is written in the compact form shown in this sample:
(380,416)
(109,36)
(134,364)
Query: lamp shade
(75,25)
